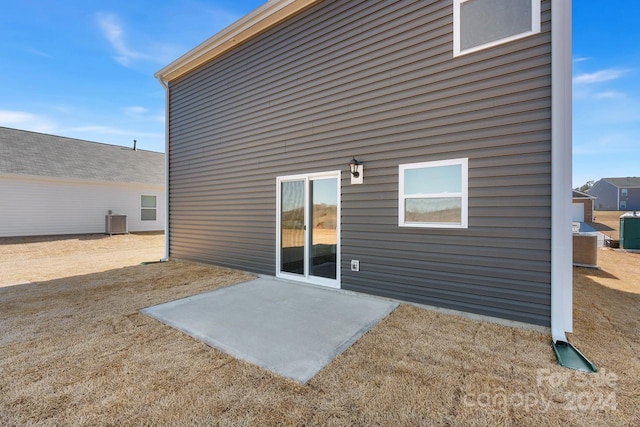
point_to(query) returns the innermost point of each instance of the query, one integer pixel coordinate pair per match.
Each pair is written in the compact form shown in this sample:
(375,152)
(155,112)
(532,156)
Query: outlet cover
(355,265)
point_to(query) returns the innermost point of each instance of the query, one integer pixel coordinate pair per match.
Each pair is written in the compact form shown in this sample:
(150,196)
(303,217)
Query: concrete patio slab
(291,329)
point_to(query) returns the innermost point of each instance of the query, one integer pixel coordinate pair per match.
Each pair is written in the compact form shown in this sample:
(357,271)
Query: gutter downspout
(165,85)
(561,235)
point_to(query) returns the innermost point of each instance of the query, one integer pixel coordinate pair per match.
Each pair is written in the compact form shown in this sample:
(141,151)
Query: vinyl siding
(607,196)
(374,79)
(36,206)
(632,198)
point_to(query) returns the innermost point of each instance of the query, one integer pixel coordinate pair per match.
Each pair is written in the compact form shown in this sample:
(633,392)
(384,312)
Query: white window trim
(148,208)
(624,192)
(535,28)
(463,194)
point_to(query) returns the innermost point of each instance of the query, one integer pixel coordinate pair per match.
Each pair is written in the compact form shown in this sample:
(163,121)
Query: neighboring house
(617,194)
(582,206)
(465,194)
(55,185)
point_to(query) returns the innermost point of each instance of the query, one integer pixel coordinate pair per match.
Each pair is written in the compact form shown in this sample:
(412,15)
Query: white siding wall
(578,212)
(42,206)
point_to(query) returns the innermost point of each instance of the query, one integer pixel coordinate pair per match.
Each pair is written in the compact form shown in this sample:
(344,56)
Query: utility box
(115,224)
(630,230)
(585,250)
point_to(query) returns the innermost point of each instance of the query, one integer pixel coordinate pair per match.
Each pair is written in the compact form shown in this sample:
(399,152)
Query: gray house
(417,150)
(52,185)
(617,194)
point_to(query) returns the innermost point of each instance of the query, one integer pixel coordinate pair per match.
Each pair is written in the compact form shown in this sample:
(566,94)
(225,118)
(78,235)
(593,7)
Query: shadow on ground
(55,238)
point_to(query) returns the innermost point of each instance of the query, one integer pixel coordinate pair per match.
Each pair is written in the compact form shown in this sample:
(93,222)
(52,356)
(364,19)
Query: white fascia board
(266,16)
(561,236)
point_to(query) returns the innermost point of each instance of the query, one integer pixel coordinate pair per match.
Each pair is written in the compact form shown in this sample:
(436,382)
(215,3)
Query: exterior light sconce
(357,171)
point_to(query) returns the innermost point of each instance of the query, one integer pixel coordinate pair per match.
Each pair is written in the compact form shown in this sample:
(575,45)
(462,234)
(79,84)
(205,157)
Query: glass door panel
(292,219)
(323,230)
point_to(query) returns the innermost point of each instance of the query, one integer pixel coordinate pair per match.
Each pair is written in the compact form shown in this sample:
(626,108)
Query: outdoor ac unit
(116,224)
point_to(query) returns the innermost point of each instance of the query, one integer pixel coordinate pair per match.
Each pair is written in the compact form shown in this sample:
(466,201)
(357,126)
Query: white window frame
(457,4)
(143,208)
(306,277)
(624,192)
(463,194)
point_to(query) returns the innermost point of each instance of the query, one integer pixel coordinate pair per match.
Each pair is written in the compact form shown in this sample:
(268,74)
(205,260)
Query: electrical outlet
(355,265)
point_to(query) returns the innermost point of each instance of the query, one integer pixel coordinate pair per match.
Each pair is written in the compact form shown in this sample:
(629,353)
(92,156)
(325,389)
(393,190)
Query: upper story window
(623,192)
(434,194)
(148,206)
(479,24)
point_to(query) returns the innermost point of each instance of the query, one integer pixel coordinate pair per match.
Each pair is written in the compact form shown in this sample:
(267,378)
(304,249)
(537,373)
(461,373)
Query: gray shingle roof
(31,153)
(630,181)
(581,195)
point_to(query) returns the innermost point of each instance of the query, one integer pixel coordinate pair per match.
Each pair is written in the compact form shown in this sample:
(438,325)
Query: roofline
(619,186)
(260,20)
(583,195)
(80,140)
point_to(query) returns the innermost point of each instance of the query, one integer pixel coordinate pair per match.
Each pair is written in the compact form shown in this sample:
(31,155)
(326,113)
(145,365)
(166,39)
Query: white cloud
(609,142)
(581,58)
(37,52)
(110,130)
(135,110)
(126,54)
(142,114)
(147,139)
(609,94)
(599,76)
(26,121)
(113,31)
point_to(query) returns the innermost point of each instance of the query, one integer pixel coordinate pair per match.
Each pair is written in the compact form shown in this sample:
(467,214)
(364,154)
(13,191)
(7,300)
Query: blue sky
(85,69)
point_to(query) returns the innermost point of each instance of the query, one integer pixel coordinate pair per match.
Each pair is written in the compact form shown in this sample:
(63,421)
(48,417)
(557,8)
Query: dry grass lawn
(34,259)
(608,222)
(74,350)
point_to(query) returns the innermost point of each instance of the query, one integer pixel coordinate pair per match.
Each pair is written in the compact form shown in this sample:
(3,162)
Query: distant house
(463,200)
(617,194)
(582,206)
(54,185)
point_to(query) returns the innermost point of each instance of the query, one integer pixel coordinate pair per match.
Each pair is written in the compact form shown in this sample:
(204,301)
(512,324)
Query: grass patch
(76,351)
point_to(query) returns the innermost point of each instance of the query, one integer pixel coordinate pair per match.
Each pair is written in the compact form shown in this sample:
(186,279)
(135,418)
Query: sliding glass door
(309,227)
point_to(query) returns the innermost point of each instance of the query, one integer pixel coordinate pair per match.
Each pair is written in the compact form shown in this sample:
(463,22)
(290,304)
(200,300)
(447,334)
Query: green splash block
(570,357)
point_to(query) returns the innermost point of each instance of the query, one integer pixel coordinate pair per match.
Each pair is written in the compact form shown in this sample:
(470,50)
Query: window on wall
(148,208)
(434,194)
(623,193)
(479,24)
(623,204)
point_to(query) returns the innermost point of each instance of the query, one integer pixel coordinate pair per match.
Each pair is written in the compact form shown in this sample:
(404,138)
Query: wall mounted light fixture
(357,171)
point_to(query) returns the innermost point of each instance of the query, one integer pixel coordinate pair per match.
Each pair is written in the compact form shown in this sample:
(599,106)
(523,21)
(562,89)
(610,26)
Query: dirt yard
(608,222)
(34,259)
(74,350)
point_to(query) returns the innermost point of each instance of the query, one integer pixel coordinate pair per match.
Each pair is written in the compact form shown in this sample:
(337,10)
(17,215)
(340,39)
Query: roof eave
(260,20)
(583,195)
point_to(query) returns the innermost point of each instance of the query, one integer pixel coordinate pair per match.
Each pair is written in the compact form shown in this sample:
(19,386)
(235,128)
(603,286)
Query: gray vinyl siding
(632,198)
(374,79)
(607,196)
